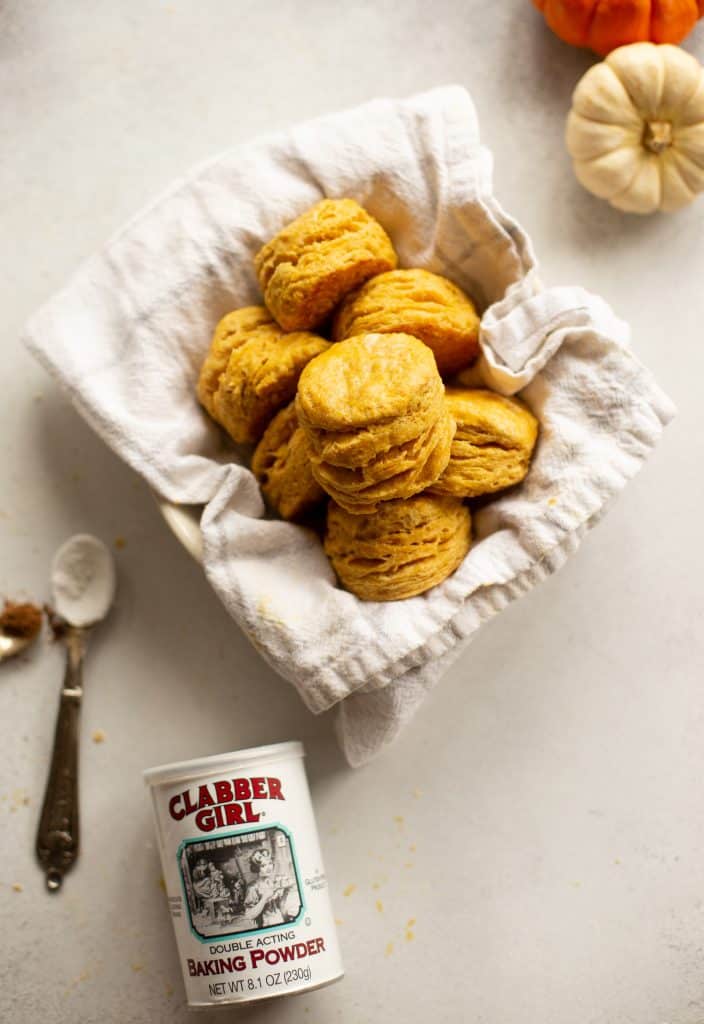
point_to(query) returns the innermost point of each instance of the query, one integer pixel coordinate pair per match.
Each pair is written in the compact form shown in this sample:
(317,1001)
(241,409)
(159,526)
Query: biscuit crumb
(380,906)
(410,936)
(375,885)
(137,968)
(410,923)
(162,883)
(339,921)
(552,502)
(412,848)
(119,543)
(617,860)
(17,887)
(399,820)
(408,864)
(389,949)
(98,736)
(349,890)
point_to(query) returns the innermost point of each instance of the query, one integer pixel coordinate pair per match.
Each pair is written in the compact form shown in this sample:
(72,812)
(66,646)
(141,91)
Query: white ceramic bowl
(184,523)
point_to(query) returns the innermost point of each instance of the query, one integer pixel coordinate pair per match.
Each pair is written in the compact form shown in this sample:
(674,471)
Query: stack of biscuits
(338,380)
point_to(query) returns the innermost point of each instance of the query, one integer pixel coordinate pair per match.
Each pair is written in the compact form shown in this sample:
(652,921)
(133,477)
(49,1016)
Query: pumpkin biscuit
(404,550)
(315,260)
(232,331)
(361,498)
(242,388)
(375,426)
(493,446)
(282,466)
(415,302)
(357,447)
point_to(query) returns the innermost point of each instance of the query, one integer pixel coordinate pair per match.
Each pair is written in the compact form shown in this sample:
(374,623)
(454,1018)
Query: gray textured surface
(552,824)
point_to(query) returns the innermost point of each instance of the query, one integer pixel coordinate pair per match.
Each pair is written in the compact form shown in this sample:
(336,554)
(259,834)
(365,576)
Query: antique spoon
(83,587)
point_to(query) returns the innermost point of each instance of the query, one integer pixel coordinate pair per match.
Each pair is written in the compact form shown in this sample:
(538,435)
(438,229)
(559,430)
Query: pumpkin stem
(657,136)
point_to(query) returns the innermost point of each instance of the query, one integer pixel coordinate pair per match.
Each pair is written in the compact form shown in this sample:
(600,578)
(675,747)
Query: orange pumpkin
(602,25)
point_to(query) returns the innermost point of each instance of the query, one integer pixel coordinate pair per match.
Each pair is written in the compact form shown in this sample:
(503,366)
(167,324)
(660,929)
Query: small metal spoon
(83,587)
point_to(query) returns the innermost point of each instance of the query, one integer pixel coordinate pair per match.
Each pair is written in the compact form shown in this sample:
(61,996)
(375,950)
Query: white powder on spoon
(83,580)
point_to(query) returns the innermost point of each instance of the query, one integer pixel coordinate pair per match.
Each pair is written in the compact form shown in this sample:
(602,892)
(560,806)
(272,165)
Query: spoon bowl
(82,580)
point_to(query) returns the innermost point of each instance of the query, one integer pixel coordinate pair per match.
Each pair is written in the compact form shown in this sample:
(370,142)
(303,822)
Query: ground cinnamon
(20,619)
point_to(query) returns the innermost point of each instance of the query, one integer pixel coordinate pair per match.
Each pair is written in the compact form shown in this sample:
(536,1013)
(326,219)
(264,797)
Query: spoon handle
(58,833)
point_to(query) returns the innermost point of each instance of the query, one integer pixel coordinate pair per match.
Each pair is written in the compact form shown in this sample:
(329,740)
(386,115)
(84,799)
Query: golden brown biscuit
(375,419)
(252,370)
(282,466)
(415,302)
(233,330)
(357,447)
(362,498)
(493,445)
(366,381)
(404,550)
(315,260)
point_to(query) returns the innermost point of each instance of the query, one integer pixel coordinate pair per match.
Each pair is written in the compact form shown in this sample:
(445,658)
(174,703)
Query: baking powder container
(245,881)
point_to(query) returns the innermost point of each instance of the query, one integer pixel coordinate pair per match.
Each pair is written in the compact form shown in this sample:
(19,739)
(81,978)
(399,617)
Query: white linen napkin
(126,338)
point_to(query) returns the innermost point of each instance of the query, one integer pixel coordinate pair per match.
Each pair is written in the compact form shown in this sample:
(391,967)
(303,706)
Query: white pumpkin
(636,128)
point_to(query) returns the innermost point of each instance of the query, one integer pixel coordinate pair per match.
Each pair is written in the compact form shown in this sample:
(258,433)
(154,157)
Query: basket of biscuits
(338,380)
(329,353)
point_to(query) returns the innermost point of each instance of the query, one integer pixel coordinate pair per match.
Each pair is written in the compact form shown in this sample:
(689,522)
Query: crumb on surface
(380,906)
(398,818)
(412,848)
(162,883)
(119,543)
(552,502)
(339,921)
(17,887)
(375,885)
(349,890)
(410,935)
(410,923)
(98,736)
(389,949)
(137,968)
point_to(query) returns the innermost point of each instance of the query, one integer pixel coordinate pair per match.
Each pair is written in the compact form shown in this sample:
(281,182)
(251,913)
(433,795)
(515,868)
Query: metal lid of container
(232,761)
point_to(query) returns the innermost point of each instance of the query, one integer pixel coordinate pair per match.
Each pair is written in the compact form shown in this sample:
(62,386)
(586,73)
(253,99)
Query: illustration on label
(240,883)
